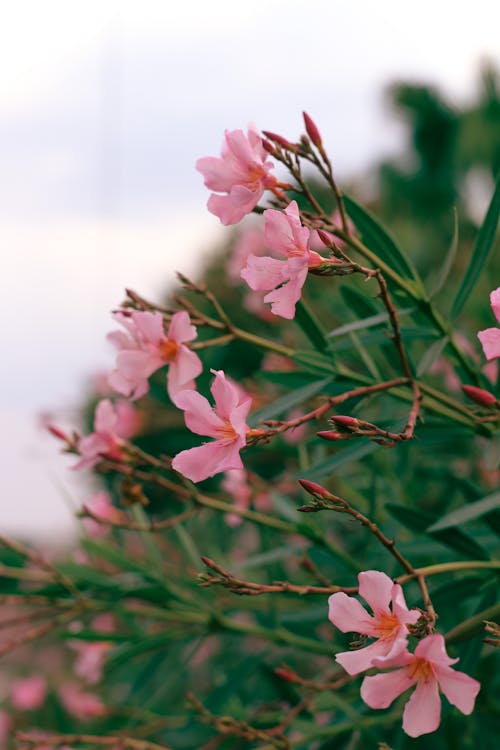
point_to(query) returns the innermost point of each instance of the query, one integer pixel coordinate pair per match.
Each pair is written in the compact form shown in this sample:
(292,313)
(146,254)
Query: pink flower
(242,172)
(105,441)
(146,348)
(388,625)
(129,419)
(80,703)
(100,505)
(226,423)
(91,655)
(429,669)
(28,694)
(249,242)
(490,338)
(286,235)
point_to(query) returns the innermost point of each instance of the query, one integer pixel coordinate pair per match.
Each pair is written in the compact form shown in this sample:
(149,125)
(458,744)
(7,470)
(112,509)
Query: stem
(35,738)
(473,625)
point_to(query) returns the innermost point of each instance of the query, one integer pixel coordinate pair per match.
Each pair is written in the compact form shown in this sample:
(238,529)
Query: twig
(35,738)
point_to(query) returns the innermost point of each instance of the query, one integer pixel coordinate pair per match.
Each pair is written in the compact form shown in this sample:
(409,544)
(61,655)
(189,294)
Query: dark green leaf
(314,361)
(311,326)
(419,521)
(346,456)
(481,252)
(378,239)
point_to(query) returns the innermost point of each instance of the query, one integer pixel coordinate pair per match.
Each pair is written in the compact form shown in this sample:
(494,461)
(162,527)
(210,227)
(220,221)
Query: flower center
(168,350)
(386,625)
(226,432)
(420,669)
(254,176)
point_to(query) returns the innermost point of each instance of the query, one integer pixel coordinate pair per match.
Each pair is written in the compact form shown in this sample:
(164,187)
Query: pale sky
(104,108)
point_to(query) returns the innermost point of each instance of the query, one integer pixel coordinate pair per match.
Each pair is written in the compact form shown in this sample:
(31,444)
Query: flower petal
(198,414)
(376,588)
(226,395)
(182,372)
(207,460)
(460,689)
(381,690)
(490,341)
(361,659)
(286,297)
(422,713)
(400,609)
(262,274)
(495,303)
(433,649)
(181,329)
(349,615)
(105,417)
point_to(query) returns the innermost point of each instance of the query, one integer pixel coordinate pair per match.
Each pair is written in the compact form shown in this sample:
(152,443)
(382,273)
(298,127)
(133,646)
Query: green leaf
(348,455)
(359,303)
(370,322)
(450,257)
(481,252)
(420,521)
(378,239)
(283,404)
(311,326)
(468,512)
(430,356)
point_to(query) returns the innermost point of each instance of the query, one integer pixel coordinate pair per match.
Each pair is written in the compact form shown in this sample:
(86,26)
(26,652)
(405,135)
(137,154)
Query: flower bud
(313,488)
(346,423)
(269,147)
(312,131)
(279,140)
(479,395)
(285,674)
(330,435)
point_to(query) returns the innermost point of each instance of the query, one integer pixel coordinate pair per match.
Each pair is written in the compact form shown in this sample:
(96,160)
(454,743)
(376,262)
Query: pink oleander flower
(106,441)
(226,423)
(429,669)
(146,348)
(490,337)
(285,278)
(80,703)
(28,693)
(388,624)
(242,172)
(91,655)
(100,505)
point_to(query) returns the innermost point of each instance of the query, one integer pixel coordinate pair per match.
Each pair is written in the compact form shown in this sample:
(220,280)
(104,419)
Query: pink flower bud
(330,435)
(348,423)
(279,140)
(285,674)
(313,488)
(58,433)
(312,131)
(269,147)
(479,395)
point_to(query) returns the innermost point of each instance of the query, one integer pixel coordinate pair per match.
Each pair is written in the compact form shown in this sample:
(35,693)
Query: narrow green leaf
(283,404)
(481,252)
(430,356)
(450,257)
(469,512)
(419,521)
(370,322)
(344,457)
(309,323)
(379,240)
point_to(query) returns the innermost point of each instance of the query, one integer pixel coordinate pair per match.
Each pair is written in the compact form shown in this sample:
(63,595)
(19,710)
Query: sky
(104,108)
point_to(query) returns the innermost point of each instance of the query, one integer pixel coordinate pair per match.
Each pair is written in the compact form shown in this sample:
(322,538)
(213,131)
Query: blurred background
(104,108)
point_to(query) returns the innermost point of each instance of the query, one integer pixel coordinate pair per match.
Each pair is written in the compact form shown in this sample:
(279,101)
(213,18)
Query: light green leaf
(430,356)
(370,322)
(481,252)
(469,512)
